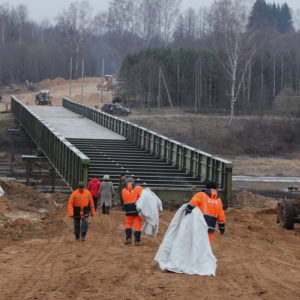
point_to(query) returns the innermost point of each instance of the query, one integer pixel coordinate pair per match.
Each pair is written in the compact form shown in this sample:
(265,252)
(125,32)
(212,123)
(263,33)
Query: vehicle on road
(43,97)
(115,109)
(118,99)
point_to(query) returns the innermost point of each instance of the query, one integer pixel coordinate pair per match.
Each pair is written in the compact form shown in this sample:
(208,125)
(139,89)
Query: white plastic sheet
(1,192)
(185,247)
(148,207)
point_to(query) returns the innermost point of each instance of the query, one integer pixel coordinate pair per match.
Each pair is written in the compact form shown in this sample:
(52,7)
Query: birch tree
(233,44)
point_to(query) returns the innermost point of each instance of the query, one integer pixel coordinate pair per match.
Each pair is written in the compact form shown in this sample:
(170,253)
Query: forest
(229,57)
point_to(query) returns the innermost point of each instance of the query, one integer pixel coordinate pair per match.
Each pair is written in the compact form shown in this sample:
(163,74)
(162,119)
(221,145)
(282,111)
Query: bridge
(82,142)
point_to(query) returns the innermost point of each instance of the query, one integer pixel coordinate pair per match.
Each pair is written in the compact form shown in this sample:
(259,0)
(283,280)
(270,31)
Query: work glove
(188,209)
(222,229)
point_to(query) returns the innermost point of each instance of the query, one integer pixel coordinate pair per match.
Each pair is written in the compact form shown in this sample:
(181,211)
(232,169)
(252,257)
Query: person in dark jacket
(121,186)
(93,187)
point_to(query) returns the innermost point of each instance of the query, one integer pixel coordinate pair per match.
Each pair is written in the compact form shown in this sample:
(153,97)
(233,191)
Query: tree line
(34,51)
(226,57)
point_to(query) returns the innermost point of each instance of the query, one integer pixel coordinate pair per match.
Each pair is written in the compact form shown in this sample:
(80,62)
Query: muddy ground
(40,259)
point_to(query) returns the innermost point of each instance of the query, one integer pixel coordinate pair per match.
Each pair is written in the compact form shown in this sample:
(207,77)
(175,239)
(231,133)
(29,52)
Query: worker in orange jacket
(130,194)
(211,207)
(80,206)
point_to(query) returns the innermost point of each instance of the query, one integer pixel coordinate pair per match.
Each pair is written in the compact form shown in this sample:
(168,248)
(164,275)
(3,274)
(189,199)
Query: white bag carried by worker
(148,207)
(185,247)
(1,192)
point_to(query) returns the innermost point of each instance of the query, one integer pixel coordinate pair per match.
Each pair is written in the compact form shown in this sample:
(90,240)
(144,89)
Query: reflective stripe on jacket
(81,204)
(130,194)
(211,207)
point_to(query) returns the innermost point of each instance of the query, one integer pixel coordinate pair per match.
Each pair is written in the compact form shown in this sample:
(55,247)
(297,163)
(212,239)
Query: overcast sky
(48,9)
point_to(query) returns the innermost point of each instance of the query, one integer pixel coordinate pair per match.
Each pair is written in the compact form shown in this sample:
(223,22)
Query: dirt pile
(248,200)
(94,99)
(25,198)
(25,213)
(48,83)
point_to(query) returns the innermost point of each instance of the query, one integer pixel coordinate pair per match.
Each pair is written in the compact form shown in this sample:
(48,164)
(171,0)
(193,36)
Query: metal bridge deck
(72,125)
(116,157)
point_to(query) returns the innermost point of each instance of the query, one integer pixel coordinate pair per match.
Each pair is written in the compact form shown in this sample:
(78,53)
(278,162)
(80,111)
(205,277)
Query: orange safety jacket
(81,204)
(211,207)
(130,194)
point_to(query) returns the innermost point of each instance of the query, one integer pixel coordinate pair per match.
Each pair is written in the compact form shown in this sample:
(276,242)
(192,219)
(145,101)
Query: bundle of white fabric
(148,207)
(185,247)
(1,192)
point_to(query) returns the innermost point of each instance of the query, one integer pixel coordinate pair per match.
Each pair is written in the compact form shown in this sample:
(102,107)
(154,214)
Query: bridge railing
(201,165)
(68,161)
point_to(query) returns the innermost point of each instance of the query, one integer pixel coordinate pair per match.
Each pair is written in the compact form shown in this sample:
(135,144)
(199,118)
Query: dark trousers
(81,226)
(105,209)
(95,202)
(121,201)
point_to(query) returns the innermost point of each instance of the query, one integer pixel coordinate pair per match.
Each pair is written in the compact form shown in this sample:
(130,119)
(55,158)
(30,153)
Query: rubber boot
(137,238)
(128,233)
(77,238)
(83,236)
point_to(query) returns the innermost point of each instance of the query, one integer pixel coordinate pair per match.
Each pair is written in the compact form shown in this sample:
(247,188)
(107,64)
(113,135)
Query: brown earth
(59,88)
(40,259)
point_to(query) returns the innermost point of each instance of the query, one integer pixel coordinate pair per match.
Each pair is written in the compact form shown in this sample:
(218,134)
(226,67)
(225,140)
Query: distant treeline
(213,58)
(228,62)
(32,51)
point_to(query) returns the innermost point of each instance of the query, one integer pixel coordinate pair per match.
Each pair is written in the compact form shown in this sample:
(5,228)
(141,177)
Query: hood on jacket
(212,193)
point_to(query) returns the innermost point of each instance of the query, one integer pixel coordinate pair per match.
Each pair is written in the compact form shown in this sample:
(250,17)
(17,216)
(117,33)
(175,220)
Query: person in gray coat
(106,192)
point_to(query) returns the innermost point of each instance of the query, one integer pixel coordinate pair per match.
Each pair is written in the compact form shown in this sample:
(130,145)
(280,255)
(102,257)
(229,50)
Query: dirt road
(41,260)
(60,88)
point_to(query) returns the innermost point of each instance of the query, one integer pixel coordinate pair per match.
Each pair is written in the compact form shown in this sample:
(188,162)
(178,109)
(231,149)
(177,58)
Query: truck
(43,97)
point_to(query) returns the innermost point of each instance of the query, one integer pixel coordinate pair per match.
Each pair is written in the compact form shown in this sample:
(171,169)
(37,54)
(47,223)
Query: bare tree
(21,17)
(149,15)
(120,18)
(233,44)
(190,17)
(169,10)
(202,22)
(75,25)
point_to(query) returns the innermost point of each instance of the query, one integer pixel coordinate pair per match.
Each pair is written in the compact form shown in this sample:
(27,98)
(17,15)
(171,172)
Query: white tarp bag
(185,247)
(148,207)
(1,192)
